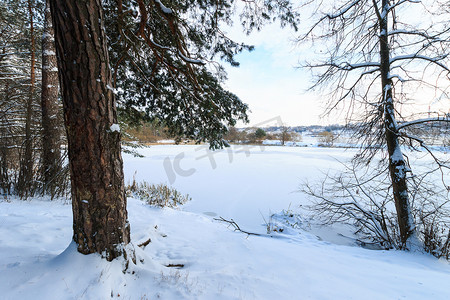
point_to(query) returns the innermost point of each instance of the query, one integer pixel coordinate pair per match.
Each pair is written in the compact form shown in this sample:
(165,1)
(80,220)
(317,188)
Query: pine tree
(51,119)
(98,196)
(164,57)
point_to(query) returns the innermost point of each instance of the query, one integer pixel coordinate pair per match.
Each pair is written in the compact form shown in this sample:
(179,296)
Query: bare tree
(375,58)
(285,134)
(326,138)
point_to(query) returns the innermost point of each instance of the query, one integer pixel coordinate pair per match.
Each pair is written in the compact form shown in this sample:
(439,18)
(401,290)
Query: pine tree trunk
(26,164)
(397,165)
(51,122)
(98,198)
(5,183)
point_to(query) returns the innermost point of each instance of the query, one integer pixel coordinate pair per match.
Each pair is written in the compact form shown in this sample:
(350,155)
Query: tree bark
(397,164)
(98,198)
(51,121)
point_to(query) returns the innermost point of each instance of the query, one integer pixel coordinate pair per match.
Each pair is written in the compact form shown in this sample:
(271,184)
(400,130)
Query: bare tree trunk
(98,198)
(26,164)
(397,165)
(51,122)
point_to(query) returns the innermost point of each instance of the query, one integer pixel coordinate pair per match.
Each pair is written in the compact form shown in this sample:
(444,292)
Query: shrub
(159,195)
(436,238)
(326,139)
(361,197)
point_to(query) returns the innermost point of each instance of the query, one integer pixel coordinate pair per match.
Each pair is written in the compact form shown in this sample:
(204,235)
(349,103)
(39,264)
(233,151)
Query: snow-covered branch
(426,120)
(415,32)
(435,60)
(165,9)
(190,60)
(343,10)
(346,66)
(394,5)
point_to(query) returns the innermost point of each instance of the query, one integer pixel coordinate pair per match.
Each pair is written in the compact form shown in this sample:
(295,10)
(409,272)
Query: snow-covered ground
(244,183)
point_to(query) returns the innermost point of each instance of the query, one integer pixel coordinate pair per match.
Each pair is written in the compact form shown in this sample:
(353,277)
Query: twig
(144,244)
(236,226)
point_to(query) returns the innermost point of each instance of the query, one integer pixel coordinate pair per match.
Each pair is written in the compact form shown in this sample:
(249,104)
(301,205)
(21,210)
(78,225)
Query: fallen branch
(178,266)
(236,226)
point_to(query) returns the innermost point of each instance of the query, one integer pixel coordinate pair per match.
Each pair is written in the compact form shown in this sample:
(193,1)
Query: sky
(270,82)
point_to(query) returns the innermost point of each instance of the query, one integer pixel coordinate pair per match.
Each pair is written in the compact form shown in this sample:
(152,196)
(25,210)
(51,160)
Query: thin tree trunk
(397,165)
(51,122)
(98,198)
(4,174)
(26,167)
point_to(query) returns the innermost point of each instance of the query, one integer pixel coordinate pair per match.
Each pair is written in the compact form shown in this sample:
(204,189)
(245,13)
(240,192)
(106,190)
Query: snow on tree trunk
(397,165)
(51,122)
(98,198)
